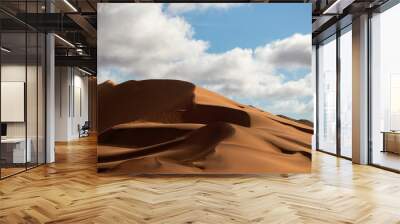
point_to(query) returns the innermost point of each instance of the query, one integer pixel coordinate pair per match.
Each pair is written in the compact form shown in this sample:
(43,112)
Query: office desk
(13,150)
(391,141)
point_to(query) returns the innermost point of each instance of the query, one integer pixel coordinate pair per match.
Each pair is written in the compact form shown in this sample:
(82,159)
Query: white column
(50,99)
(360,90)
(50,92)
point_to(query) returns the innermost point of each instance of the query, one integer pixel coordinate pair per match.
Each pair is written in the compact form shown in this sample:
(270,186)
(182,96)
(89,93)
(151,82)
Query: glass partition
(385,89)
(327,95)
(22,77)
(31,99)
(346,92)
(41,96)
(14,153)
(34,69)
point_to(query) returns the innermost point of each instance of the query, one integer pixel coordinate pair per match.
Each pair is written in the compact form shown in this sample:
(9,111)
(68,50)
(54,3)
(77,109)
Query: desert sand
(175,127)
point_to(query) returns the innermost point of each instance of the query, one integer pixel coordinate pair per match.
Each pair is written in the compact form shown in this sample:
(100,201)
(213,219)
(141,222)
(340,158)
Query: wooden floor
(10,171)
(387,159)
(70,191)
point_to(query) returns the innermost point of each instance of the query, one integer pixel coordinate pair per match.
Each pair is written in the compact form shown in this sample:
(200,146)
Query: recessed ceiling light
(70,5)
(5,50)
(337,7)
(84,71)
(64,40)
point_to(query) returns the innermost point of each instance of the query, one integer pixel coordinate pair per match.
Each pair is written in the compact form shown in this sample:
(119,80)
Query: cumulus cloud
(187,7)
(143,41)
(292,53)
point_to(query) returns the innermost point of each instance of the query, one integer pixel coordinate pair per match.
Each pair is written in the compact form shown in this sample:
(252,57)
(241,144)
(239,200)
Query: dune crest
(172,126)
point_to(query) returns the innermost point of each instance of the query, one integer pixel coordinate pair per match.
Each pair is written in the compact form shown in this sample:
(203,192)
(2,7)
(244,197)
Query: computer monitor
(3,129)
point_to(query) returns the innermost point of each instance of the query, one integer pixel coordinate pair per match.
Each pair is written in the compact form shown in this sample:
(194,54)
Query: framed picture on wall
(204,89)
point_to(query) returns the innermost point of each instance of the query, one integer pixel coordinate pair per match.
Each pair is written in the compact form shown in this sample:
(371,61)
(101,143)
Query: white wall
(33,126)
(80,112)
(62,81)
(386,66)
(12,73)
(13,101)
(71,87)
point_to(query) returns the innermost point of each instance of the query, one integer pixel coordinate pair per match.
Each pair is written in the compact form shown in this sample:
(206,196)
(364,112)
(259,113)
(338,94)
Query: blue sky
(250,25)
(258,54)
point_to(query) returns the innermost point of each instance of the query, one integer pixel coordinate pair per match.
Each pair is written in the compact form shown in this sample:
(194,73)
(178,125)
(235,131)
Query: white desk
(18,149)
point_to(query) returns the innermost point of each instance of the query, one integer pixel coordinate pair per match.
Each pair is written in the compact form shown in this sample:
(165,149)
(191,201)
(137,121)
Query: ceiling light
(5,50)
(70,5)
(79,51)
(84,71)
(337,7)
(65,41)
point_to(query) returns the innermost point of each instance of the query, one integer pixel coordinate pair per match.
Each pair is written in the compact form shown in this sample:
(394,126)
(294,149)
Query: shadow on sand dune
(171,126)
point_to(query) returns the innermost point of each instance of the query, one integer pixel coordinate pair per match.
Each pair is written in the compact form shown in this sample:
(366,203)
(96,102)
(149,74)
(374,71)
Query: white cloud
(180,8)
(141,41)
(296,107)
(292,53)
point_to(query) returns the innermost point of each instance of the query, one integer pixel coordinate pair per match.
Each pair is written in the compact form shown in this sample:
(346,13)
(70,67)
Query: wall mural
(209,88)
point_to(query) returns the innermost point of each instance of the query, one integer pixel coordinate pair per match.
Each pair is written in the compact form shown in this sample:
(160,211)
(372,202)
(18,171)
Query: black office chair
(84,130)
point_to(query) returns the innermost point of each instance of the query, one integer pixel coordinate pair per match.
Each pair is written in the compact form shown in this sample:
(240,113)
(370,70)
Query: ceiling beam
(77,61)
(84,24)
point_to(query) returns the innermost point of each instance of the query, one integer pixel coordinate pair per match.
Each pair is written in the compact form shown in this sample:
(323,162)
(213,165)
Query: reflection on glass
(15,151)
(385,114)
(31,100)
(327,95)
(394,102)
(41,98)
(22,91)
(32,87)
(346,93)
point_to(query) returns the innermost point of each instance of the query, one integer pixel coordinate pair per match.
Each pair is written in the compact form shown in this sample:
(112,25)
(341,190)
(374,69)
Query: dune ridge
(172,126)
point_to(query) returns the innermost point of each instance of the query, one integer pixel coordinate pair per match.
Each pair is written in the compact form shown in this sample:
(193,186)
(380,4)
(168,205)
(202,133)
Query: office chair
(84,130)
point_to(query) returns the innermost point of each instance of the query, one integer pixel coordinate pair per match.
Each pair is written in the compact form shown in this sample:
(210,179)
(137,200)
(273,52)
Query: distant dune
(302,121)
(171,126)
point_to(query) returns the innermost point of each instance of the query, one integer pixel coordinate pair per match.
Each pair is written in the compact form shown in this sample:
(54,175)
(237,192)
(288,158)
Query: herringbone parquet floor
(70,191)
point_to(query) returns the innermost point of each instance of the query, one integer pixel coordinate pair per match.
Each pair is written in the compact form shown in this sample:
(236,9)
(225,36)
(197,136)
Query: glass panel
(386,89)
(23,90)
(346,93)
(13,89)
(31,100)
(314,75)
(41,98)
(32,90)
(327,95)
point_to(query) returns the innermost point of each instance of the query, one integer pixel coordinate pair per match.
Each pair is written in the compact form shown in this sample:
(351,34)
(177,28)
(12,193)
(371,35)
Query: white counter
(18,145)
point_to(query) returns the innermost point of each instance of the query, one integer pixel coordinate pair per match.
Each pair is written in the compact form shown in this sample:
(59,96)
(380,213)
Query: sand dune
(171,126)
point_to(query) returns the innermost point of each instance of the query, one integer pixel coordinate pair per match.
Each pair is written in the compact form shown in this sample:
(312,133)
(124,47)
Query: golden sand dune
(171,126)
